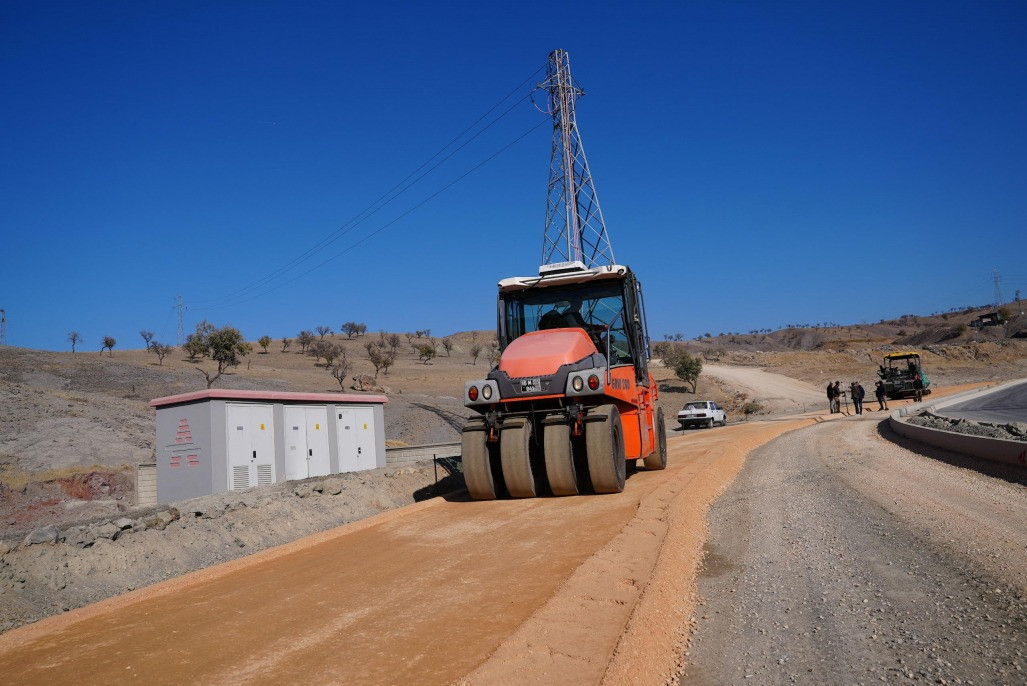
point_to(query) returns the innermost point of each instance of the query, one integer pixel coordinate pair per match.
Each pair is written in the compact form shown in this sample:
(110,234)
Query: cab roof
(573,276)
(900,356)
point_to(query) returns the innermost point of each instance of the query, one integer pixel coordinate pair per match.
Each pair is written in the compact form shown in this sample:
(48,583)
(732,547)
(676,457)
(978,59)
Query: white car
(702,413)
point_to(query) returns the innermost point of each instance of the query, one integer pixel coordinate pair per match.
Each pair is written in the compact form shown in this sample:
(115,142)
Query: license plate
(530,385)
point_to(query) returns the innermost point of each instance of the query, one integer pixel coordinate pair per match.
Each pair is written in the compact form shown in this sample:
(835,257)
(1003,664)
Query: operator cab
(605,302)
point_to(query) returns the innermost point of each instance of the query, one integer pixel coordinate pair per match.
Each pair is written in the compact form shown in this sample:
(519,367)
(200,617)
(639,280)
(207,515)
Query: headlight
(486,392)
(577,384)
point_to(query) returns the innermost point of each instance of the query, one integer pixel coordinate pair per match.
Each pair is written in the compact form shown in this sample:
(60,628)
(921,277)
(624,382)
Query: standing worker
(837,390)
(830,396)
(857,396)
(918,387)
(882,403)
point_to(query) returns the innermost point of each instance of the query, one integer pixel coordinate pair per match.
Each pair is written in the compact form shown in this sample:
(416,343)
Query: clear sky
(758,163)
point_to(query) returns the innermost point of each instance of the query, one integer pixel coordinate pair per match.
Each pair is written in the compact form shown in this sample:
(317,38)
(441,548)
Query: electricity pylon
(575,229)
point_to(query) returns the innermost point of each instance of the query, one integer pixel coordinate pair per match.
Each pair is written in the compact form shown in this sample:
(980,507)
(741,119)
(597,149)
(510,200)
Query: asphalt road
(1007,405)
(839,557)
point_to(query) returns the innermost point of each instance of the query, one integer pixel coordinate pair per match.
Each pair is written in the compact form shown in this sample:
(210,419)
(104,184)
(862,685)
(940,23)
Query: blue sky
(758,163)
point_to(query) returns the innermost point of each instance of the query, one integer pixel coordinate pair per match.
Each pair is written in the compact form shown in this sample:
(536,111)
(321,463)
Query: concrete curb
(982,447)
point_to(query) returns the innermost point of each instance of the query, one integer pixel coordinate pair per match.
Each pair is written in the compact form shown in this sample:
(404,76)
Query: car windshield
(594,307)
(697,406)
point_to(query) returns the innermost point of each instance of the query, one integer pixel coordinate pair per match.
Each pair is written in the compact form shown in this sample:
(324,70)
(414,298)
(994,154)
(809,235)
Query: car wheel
(709,423)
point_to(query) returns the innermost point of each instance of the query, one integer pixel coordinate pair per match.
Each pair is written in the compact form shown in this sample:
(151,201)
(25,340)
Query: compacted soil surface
(574,590)
(839,556)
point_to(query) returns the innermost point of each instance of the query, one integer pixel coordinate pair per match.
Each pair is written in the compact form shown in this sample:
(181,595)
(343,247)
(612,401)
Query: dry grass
(17,479)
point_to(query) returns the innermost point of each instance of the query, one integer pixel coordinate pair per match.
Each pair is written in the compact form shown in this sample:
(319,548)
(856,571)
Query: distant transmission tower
(3,327)
(575,229)
(998,288)
(181,308)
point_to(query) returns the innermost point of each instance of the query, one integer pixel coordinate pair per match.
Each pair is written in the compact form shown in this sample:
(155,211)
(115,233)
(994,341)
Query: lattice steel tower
(575,229)
(3,327)
(998,287)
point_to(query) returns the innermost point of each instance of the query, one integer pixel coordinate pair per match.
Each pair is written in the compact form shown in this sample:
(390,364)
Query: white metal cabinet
(306,442)
(251,446)
(356,439)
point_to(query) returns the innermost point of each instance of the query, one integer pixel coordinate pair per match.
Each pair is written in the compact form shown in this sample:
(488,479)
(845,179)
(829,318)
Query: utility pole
(3,327)
(181,308)
(998,288)
(1019,304)
(575,229)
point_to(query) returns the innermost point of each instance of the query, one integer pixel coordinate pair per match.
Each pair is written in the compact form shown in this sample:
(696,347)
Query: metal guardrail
(420,453)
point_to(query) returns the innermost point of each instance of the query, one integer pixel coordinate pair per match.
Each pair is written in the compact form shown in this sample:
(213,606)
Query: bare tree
(381,358)
(286,342)
(147,337)
(492,353)
(316,350)
(362,329)
(447,343)
(73,338)
(350,329)
(341,369)
(305,338)
(475,352)
(264,341)
(322,330)
(393,341)
(108,345)
(331,352)
(161,350)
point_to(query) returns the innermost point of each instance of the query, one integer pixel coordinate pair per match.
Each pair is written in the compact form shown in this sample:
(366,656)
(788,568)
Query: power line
(386,225)
(385,198)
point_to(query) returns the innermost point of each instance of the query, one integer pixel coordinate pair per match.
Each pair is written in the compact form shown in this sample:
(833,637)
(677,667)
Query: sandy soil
(89,562)
(840,556)
(430,594)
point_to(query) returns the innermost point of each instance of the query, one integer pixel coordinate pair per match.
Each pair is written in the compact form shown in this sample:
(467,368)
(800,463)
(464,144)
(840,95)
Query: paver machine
(571,401)
(899,372)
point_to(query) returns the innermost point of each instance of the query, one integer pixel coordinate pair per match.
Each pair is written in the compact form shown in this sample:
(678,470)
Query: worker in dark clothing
(918,387)
(830,396)
(857,396)
(882,403)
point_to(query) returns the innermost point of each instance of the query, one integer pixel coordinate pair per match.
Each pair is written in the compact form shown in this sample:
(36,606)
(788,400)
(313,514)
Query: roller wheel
(515,456)
(658,459)
(563,477)
(604,441)
(474,454)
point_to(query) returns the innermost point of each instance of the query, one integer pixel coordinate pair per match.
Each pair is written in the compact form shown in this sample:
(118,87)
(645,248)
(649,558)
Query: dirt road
(840,557)
(486,592)
(777,393)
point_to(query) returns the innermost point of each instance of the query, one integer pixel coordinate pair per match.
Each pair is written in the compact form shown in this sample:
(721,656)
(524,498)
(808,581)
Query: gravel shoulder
(842,556)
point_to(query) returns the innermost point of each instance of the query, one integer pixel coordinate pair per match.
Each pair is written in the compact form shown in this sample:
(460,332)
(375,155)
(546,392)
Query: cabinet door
(347,441)
(239,476)
(318,458)
(263,445)
(251,446)
(364,427)
(296,463)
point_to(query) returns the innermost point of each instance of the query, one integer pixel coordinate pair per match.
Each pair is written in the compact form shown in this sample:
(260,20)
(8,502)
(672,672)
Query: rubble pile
(1014,431)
